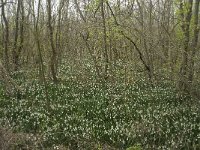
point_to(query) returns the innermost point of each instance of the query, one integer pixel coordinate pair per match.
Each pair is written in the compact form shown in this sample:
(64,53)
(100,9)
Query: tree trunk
(104,41)
(51,38)
(186,20)
(195,40)
(6,35)
(17,48)
(85,38)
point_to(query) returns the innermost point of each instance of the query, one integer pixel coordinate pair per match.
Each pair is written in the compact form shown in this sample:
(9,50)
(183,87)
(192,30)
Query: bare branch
(2,4)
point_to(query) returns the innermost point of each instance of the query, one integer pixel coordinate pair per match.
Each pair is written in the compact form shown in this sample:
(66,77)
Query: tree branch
(2,4)
(130,39)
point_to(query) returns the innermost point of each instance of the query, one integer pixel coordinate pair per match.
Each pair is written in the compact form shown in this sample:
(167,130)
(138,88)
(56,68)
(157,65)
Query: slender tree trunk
(37,39)
(19,37)
(62,3)
(51,38)
(22,23)
(58,31)
(141,56)
(186,20)
(148,59)
(15,59)
(6,36)
(104,41)
(195,40)
(85,38)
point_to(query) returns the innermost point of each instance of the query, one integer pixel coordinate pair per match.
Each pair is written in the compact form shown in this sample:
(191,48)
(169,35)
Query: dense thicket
(115,73)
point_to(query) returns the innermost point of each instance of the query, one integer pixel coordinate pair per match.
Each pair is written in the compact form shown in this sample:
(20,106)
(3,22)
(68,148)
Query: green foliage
(136,147)
(93,5)
(117,114)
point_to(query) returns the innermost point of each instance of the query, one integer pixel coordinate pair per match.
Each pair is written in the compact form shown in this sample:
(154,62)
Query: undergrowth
(75,114)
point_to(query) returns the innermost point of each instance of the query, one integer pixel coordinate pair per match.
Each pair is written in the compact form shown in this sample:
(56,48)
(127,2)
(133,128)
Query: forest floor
(90,115)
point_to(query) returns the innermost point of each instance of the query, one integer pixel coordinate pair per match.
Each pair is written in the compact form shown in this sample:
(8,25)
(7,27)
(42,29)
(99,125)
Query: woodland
(99,74)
